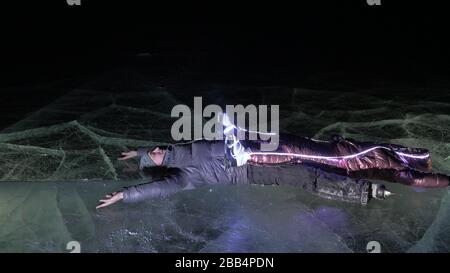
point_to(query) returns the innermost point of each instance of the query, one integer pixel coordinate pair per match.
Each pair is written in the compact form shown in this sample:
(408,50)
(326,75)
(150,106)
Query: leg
(409,177)
(330,183)
(369,155)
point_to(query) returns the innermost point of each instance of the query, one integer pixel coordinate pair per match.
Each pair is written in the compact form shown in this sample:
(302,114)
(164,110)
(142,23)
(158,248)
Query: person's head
(157,155)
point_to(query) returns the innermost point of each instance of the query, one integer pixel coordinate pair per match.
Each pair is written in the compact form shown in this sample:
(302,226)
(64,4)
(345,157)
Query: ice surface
(67,154)
(45,216)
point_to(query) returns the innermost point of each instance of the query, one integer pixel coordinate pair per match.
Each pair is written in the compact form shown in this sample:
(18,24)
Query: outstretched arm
(164,187)
(156,189)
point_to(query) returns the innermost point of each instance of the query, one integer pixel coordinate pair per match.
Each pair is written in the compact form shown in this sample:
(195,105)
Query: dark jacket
(197,163)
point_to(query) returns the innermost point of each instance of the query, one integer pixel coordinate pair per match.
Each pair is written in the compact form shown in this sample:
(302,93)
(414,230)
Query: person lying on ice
(334,169)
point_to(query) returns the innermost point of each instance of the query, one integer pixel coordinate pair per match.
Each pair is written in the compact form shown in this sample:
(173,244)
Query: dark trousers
(325,182)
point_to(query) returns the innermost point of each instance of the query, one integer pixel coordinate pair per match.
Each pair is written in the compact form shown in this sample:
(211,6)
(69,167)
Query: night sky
(330,45)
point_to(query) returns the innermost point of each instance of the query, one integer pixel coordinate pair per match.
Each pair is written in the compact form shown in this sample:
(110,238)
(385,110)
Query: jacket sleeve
(142,151)
(144,159)
(162,187)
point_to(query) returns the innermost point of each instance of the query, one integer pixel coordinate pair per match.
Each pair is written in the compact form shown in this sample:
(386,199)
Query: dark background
(47,50)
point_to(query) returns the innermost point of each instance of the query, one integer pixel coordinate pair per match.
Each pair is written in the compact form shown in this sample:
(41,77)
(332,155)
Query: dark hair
(162,147)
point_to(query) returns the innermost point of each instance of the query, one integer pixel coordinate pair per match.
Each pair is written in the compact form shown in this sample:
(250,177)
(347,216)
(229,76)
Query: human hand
(110,199)
(128,155)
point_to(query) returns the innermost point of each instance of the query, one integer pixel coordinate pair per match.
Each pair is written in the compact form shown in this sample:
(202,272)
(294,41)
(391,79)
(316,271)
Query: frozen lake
(57,162)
